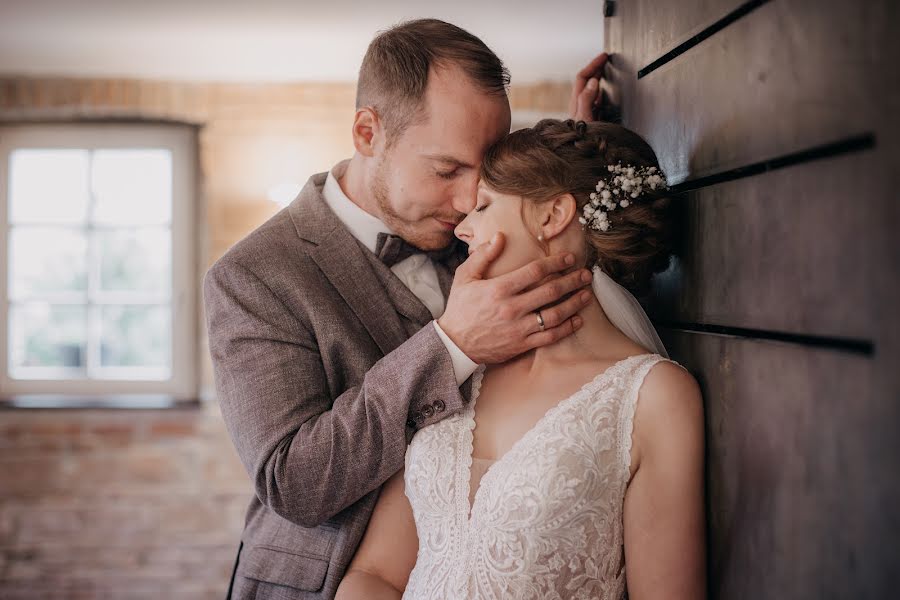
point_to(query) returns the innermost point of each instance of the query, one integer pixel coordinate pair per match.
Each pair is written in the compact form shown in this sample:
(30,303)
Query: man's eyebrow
(448,159)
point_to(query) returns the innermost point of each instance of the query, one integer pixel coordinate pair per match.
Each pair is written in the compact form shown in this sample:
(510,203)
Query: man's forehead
(451,141)
(452,89)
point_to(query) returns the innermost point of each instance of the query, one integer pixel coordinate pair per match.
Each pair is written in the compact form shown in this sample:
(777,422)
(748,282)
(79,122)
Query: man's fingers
(552,291)
(557,315)
(593,68)
(550,336)
(584,110)
(477,264)
(532,273)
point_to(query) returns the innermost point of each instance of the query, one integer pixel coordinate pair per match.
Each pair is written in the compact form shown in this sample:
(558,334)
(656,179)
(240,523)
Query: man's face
(426,182)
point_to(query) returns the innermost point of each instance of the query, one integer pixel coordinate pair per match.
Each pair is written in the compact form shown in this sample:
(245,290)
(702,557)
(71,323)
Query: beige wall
(97,504)
(250,137)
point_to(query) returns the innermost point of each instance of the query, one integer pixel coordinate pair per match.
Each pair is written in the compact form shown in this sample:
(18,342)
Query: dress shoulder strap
(634,380)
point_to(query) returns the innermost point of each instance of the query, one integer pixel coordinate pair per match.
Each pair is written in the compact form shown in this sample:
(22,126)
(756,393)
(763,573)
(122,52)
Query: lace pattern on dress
(546,518)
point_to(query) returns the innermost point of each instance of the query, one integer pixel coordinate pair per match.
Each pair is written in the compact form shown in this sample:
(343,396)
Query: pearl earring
(541,237)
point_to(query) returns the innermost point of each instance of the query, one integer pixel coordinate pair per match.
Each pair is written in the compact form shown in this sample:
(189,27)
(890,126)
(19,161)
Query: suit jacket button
(428,411)
(418,418)
(439,405)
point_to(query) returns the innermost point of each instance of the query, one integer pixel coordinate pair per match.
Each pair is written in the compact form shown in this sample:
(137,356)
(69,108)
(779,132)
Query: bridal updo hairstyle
(557,157)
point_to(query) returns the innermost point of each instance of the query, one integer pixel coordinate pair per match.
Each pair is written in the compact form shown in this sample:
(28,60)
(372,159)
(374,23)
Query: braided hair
(558,157)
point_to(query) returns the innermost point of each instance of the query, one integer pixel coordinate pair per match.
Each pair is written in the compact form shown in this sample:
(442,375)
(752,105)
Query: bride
(574,459)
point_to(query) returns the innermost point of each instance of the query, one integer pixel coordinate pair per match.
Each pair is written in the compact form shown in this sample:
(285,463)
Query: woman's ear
(556,215)
(368,133)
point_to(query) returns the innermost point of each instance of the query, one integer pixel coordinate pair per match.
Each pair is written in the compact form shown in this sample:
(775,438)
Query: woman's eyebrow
(446,158)
(485,192)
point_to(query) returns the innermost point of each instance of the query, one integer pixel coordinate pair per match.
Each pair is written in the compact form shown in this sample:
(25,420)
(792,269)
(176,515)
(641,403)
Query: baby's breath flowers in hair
(626,184)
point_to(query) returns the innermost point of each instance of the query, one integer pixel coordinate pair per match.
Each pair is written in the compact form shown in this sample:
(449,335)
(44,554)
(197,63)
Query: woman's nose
(463,231)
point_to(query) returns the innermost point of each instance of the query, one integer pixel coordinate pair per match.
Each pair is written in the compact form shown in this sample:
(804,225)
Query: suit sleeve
(309,454)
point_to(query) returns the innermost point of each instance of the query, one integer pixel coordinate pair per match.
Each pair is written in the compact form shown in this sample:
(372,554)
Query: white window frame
(180,140)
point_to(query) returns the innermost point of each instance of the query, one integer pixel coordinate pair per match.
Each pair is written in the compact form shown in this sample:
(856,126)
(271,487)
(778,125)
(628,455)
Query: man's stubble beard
(430,240)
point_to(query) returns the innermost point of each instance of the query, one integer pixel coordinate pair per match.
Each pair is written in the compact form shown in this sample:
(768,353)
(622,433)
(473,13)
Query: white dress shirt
(417,272)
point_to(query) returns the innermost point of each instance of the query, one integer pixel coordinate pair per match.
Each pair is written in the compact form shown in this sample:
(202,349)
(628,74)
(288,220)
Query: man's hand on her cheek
(493,320)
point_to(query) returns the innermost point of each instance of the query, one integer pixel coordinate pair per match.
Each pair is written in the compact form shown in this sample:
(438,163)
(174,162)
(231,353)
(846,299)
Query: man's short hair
(394,71)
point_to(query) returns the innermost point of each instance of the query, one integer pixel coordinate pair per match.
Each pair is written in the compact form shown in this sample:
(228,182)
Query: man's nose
(465,196)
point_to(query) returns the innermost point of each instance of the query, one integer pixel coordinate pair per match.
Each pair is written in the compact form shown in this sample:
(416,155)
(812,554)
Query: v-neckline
(469,429)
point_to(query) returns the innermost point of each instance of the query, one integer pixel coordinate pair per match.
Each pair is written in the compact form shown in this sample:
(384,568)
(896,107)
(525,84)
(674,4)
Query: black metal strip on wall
(864,141)
(719,25)
(856,346)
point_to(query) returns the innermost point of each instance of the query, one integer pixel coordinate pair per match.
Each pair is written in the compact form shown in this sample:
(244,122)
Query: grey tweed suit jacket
(324,369)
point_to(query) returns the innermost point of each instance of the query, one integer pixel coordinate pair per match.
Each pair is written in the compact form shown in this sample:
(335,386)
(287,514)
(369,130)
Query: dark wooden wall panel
(778,123)
(671,23)
(800,502)
(789,75)
(782,251)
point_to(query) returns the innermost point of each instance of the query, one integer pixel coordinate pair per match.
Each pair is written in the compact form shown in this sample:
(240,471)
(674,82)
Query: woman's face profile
(498,212)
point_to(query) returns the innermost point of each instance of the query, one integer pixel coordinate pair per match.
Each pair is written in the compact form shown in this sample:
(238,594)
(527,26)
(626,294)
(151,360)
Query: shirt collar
(364,226)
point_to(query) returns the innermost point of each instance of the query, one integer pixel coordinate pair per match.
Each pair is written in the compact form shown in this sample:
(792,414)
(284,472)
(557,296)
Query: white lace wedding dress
(546,518)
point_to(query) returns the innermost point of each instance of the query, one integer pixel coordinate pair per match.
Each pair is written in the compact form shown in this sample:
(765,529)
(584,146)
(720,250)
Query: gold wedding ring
(540,319)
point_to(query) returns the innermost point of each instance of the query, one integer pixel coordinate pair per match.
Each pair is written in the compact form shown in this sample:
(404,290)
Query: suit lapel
(343,261)
(354,280)
(405,302)
(374,293)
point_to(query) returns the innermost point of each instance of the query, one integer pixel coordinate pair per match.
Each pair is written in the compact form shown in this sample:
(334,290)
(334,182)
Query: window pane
(135,336)
(48,186)
(46,335)
(46,260)
(135,260)
(132,186)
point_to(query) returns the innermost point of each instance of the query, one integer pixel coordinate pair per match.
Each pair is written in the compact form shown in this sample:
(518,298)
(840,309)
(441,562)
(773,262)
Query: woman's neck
(597,339)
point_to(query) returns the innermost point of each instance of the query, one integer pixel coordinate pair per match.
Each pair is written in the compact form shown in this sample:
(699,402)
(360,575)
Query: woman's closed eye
(448,174)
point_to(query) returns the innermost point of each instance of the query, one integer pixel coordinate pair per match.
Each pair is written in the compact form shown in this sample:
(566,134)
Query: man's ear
(368,134)
(556,215)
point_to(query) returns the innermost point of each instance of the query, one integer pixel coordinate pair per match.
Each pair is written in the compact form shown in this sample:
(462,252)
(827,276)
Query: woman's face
(495,212)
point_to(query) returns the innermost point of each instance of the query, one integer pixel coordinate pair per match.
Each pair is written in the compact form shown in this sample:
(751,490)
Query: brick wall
(135,504)
(117,504)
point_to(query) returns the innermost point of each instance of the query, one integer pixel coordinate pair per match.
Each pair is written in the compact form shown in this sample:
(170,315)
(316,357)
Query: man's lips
(448,225)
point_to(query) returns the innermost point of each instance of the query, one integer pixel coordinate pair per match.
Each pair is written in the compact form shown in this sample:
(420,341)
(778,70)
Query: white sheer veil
(626,313)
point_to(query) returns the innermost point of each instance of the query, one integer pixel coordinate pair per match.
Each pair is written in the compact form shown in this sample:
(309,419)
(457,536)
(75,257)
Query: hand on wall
(586,101)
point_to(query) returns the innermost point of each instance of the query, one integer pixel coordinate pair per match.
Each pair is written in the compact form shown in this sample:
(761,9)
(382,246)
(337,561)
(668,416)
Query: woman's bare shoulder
(668,380)
(669,413)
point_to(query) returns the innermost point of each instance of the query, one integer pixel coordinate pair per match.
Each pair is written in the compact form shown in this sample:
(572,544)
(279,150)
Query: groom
(334,330)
